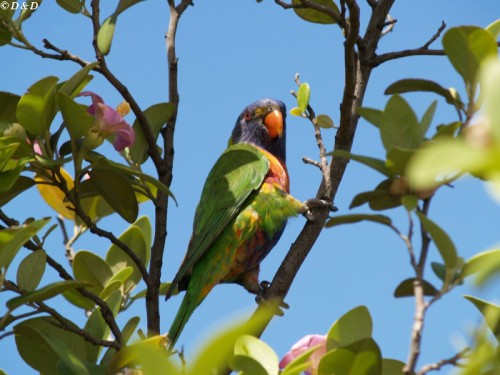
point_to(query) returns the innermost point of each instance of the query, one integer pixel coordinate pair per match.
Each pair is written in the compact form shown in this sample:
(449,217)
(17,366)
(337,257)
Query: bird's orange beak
(274,123)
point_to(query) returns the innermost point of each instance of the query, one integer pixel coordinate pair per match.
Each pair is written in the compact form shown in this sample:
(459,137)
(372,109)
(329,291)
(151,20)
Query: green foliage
(157,116)
(406,288)
(467,47)
(37,108)
(42,344)
(107,29)
(253,357)
(31,270)
(12,239)
(316,16)
(303,96)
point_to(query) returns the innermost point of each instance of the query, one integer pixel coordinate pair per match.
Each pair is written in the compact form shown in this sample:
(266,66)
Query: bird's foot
(311,204)
(261,299)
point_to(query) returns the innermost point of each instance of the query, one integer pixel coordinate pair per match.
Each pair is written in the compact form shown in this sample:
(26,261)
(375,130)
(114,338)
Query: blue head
(263,124)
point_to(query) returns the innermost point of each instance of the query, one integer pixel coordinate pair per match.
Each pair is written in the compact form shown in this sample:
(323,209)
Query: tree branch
(165,175)
(454,361)
(421,51)
(62,322)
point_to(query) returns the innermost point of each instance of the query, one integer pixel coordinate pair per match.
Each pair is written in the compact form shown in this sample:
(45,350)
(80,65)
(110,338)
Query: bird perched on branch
(242,213)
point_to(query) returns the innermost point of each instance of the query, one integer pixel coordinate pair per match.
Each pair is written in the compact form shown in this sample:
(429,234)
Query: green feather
(237,173)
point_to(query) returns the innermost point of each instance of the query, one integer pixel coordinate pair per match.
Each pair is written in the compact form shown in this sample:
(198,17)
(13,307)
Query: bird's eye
(247,116)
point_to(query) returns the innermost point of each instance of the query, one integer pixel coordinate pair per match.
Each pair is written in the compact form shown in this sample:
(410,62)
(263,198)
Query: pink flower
(108,122)
(301,346)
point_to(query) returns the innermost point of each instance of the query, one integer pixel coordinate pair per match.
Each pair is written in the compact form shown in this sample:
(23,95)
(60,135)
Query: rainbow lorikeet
(243,210)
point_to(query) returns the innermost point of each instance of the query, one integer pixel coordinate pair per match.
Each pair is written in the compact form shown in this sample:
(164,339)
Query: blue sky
(230,54)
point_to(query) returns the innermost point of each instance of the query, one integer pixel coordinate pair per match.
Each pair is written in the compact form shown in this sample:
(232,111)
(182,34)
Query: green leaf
(303,95)
(8,146)
(106,164)
(494,28)
(44,293)
(157,116)
(117,192)
(118,260)
(397,159)
(253,356)
(485,265)
(213,356)
(356,218)
(315,16)
(393,367)
(410,202)
(415,84)
(97,327)
(5,37)
(442,240)
(379,199)
(351,327)
(444,160)
(31,7)
(90,267)
(9,177)
(425,123)
(125,4)
(75,84)
(105,34)
(361,358)
(12,239)
(74,297)
(72,6)
(8,105)
(296,111)
(376,164)
(23,183)
(324,121)
(399,126)
(439,270)
(41,344)
(31,270)
(127,332)
(405,288)
(37,108)
(467,47)
(490,87)
(490,312)
(76,118)
(149,354)
(372,115)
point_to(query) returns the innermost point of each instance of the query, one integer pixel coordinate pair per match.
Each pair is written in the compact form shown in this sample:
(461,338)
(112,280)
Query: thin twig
(421,51)
(67,242)
(66,55)
(420,304)
(453,361)
(307,160)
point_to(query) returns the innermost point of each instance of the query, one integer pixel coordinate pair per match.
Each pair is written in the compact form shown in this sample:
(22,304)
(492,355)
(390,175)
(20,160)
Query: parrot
(242,213)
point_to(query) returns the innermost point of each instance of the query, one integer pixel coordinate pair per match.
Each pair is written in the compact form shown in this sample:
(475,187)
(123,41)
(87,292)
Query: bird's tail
(190,302)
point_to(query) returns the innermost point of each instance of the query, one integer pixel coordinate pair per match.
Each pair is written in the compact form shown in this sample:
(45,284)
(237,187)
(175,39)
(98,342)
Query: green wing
(237,173)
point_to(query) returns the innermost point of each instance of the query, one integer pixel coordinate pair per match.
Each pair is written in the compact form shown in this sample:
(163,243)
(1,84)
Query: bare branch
(420,305)
(65,55)
(453,361)
(421,51)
